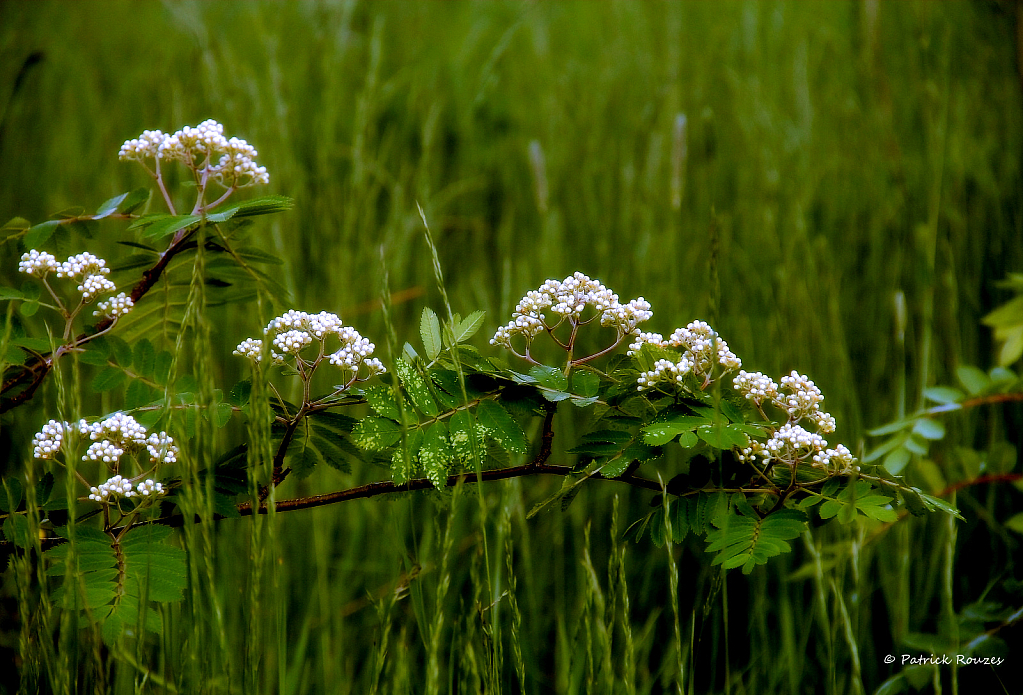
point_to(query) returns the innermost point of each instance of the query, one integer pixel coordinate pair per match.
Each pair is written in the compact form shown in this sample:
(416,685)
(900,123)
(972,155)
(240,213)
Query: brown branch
(994,478)
(534,467)
(35,370)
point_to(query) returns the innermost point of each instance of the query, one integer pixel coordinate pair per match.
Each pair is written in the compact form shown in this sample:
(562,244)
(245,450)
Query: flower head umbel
(702,353)
(206,152)
(89,271)
(295,336)
(111,439)
(800,400)
(576,301)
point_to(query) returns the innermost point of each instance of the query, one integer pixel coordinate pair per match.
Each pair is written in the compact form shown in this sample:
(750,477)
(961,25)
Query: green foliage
(112,579)
(743,539)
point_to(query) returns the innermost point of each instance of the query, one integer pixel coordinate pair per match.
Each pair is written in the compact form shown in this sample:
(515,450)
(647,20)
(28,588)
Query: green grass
(832,158)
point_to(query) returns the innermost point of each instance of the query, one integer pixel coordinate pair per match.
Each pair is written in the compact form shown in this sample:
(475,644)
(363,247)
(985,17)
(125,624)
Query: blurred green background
(784,170)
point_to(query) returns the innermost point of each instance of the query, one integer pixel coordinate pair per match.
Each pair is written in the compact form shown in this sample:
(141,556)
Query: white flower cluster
(115,307)
(568,299)
(229,161)
(293,332)
(121,487)
(801,400)
(703,351)
(38,263)
(87,268)
(798,396)
(111,438)
(48,440)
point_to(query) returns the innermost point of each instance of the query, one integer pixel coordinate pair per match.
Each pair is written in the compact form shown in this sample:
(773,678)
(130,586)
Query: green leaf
(240,393)
(429,330)
(585,383)
(465,436)
(500,425)
(137,394)
(858,497)
(167,225)
(722,436)
(929,429)
(435,456)
(890,428)
(973,379)
(1015,523)
(304,460)
(381,400)
(16,530)
(602,443)
(664,432)
(10,494)
(549,377)
(467,327)
(221,414)
(944,394)
(897,460)
(896,685)
(744,541)
(162,367)
(938,504)
(144,358)
(264,205)
(679,519)
(687,440)
(29,308)
(109,207)
(39,234)
(10,293)
(122,351)
(376,433)
(416,388)
(108,378)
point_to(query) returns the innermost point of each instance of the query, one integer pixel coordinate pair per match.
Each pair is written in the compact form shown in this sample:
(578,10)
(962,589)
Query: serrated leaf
(240,393)
(973,379)
(858,497)
(465,436)
(722,436)
(435,456)
(108,378)
(381,400)
(467,327)
(221,414)
(10,494)
(304,460)
(109,207)
(122,351)
(15,529)
(39,234)
(929,429)
(429,331)
(679,519)
(585,383)
(144,357)
(137,394)
(549,377)
(944,394)
(500,425)
(264,205)
(376,433)
(743,541)
(416,388)
(171,224)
